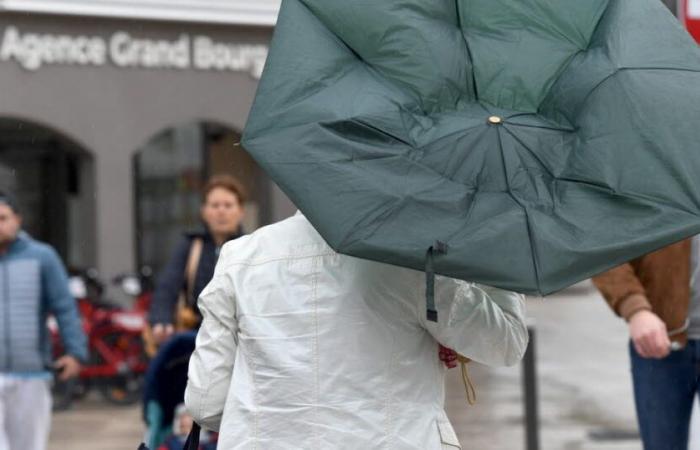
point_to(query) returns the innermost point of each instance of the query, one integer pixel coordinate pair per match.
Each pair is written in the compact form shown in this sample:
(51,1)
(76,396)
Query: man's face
(10,223)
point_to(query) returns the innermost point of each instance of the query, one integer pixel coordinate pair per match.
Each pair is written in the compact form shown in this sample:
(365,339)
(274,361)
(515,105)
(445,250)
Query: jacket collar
(204,234)
(20,242)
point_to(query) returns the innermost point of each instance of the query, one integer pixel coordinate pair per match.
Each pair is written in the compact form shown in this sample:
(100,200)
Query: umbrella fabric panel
(518,49)
(578,251)
(641,137)
(414,44)
(374,118)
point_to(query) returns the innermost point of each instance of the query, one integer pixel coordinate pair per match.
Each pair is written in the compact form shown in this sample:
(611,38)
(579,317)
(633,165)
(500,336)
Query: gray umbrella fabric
(538,142)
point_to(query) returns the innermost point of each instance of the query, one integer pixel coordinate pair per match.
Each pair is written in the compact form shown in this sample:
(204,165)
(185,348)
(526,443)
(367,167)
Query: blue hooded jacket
(33,284)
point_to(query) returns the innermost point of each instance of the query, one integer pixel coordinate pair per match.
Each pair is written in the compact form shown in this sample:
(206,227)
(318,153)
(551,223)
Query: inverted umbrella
(521,144)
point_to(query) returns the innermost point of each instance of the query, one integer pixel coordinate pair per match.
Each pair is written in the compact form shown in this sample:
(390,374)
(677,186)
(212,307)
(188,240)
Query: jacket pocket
(448,437)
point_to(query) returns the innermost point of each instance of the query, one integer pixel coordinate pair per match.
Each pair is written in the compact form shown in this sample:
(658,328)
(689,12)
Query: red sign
(689,13)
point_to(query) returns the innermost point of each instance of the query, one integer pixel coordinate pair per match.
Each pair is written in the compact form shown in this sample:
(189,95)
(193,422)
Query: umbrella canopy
(543,142)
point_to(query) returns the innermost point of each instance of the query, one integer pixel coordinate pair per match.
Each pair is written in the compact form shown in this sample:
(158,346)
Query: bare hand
(67,367)
(649,335)
(448,357)
(161,332)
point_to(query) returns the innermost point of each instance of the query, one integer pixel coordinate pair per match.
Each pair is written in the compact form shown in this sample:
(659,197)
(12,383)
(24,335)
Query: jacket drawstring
(680,330)
(466,379)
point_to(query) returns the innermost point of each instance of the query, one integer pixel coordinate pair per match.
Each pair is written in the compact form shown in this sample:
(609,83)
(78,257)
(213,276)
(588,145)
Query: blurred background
(113,115)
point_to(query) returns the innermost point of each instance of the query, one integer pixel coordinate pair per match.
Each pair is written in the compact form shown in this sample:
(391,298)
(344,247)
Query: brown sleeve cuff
(632,304)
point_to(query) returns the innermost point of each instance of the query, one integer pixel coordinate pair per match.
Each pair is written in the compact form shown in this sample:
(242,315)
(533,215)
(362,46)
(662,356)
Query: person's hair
(8,199)
(225,182)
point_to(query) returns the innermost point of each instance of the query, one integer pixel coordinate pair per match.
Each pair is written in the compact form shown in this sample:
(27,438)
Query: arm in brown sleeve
(622,290)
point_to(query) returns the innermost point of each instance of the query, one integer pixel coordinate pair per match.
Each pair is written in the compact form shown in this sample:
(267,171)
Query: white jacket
(304,348)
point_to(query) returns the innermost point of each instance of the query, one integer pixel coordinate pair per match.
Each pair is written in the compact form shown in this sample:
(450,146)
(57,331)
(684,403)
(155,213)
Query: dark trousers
(664,391)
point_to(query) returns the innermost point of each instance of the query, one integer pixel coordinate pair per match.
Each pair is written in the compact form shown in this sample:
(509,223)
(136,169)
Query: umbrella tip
(495,120)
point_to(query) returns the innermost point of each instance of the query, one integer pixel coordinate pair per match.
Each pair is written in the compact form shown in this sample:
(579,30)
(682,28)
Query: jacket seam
(6,325)
(205,397)
(256,400)
(317,395)
(277,259)
(204,393)
(35,360)
(389,403)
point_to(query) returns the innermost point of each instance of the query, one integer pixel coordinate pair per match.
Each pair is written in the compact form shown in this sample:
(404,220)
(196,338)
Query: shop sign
(32,51)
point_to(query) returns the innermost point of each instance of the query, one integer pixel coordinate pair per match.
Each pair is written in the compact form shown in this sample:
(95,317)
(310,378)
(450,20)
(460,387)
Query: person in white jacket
(304,348)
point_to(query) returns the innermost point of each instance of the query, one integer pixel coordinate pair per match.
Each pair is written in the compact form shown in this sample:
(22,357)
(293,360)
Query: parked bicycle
(117,361)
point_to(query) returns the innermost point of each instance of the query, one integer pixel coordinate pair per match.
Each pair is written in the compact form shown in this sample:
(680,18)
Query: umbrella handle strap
(440,248)
(192,442)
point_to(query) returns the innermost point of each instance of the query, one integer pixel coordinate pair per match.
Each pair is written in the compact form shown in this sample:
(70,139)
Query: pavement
(584,391)
(584,385)
(93,424)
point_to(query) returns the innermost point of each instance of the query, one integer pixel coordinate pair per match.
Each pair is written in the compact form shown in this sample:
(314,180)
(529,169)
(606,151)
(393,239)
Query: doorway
(52,179)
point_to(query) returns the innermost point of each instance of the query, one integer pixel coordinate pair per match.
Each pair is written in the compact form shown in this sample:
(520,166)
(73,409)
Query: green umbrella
(538,142)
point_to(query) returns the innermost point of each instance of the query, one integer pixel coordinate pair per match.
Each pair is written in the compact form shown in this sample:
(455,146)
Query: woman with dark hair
(191,267)
(174,304)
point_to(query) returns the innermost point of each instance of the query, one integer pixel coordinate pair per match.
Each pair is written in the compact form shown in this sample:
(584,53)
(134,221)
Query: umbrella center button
(495,120)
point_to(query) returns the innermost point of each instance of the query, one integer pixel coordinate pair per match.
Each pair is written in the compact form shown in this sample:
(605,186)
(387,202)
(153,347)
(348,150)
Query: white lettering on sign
(211,55)
(693,9)
(32,51)
(126,51)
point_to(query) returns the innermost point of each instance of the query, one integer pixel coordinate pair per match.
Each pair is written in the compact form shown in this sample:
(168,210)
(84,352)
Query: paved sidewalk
(95,425)
(584,383)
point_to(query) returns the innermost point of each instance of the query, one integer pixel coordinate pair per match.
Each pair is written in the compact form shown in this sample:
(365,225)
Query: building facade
(115,112)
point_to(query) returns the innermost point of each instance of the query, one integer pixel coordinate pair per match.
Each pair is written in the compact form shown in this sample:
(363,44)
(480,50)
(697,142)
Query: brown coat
(659,282)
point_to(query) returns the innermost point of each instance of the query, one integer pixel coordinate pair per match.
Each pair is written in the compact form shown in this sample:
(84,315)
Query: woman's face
(222,212)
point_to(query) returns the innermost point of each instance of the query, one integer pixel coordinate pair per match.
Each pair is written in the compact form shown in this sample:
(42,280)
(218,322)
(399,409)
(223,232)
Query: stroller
(187,435)
(165,384)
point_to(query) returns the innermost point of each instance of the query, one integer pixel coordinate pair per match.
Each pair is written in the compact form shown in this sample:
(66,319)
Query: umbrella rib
(533,248)
(398,155)
(381,78)
(573,57)
(384,132)
(669,69)
(378,220)
(640,197)
(520,115)
(448,135)
(556,32)
(542,127)
(467,218)
(597,185)
(624,69)
(535,155)
(469,51)
(565,130)
(411,146)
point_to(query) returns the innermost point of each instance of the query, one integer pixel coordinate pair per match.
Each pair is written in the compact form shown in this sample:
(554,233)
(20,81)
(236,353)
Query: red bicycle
(117,361)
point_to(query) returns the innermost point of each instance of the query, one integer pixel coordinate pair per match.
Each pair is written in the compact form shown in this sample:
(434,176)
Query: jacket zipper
(6,286)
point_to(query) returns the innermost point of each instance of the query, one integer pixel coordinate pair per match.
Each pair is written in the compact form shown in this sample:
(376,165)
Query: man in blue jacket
(33,284)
